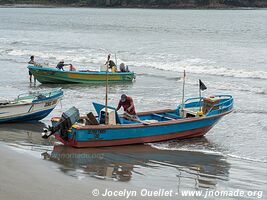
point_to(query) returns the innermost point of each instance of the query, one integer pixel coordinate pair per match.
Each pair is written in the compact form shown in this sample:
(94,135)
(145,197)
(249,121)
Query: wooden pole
(199,98)
(183,90)
(106,98)
(116,60)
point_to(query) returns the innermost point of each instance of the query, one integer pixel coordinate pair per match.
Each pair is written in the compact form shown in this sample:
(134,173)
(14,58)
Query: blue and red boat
(194,118)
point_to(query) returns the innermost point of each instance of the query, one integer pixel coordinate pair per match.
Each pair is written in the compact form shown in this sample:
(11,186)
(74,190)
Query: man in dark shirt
(127,103)
(61,65)
(31,62)
(111,65)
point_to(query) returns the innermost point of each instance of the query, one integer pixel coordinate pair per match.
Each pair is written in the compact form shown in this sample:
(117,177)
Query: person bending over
(61,65)
(127,103)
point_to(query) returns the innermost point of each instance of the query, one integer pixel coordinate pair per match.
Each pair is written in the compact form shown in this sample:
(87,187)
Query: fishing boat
(30,106)
(193,118)
(54,75)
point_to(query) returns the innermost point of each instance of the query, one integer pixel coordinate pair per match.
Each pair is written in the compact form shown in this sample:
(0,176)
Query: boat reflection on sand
(123,162)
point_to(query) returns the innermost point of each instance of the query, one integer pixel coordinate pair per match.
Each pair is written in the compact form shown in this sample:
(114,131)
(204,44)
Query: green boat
(54,75)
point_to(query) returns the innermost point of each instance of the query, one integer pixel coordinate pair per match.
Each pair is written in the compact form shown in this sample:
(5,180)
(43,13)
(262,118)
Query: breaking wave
(160,62)
(162,146)
(251,111)
(205,151)
(247,158)
(200,66)
(70,56)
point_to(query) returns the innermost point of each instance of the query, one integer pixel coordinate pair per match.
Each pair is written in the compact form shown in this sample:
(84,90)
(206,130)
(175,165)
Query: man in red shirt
(127,104)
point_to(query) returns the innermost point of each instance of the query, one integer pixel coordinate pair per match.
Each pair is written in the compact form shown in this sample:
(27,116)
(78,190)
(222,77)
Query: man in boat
(124,68)
(111,64)
(61,65)
(127,103)
(31,62)
(72,68)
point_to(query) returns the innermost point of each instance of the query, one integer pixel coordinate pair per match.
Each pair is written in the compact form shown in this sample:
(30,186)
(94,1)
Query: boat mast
(106,98)
(116,60)
(183,91)
(199,97)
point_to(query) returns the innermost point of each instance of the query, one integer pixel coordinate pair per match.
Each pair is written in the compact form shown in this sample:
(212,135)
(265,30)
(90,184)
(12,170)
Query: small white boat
(32,106)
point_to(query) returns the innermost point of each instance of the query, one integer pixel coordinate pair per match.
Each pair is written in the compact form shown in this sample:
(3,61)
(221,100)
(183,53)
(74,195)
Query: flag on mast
(202,86)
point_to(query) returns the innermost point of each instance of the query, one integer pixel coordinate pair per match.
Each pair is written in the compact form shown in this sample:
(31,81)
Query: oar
(142,122)
(129,117)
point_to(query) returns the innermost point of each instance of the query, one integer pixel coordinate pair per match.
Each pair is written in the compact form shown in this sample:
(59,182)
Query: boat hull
(140,140)
(50,75)
(138,134)
(29,110)
(27,117)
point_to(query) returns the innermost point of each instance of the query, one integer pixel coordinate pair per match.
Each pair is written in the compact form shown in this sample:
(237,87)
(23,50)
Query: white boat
(32,106)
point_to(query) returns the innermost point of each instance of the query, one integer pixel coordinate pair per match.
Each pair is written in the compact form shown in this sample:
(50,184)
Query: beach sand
(25,177)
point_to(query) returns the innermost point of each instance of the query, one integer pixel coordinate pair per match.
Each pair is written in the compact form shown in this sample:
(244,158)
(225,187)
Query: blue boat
(31,106)
(194,118)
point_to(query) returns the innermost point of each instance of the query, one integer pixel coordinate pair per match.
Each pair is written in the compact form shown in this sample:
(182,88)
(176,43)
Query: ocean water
(226,49)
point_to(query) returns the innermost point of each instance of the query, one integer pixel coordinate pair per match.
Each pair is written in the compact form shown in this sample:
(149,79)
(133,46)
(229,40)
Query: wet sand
(25,177)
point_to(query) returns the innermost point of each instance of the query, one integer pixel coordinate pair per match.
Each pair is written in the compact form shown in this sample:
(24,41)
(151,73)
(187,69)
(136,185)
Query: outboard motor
(66,121)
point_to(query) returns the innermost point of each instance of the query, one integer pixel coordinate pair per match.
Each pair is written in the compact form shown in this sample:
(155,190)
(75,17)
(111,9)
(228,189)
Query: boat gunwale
(162,123)
(57,96)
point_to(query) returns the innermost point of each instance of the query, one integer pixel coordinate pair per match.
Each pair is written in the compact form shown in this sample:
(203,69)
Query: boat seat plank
(161,116)
(172,115)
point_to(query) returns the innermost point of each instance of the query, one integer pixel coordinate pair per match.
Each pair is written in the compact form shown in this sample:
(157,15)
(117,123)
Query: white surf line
(246,158)
(189,170)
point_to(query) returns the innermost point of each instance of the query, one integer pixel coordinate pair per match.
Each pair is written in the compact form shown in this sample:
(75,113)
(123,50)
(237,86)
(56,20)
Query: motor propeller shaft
(46,132)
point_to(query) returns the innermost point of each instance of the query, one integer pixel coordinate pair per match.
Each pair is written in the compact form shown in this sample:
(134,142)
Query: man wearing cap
(127,103)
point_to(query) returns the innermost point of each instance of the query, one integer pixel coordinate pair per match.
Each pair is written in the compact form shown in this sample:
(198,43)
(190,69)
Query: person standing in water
(31,62)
